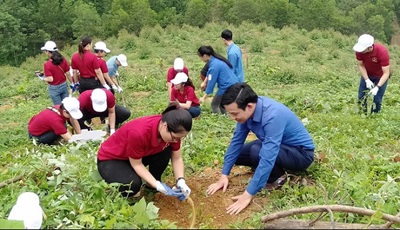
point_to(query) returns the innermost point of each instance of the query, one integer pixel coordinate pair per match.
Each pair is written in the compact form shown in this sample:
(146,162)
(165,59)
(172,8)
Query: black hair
(210,51)
(227,35)
(56,57)
(177,119)
(81,47)
(189,83)
(241,93)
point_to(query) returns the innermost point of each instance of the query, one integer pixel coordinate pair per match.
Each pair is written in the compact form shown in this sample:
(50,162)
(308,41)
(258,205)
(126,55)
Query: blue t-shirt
(221,74)
(112,66)
(235,58)
(274,124)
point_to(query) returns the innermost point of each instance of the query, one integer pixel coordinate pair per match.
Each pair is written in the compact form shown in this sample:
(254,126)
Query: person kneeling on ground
(101,103)
(184,95)
(50,125)
(283,143)
(146,141)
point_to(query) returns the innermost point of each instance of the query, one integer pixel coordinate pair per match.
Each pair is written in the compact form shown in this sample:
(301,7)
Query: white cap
(178,64)
(28,198)
(99,100)
(49,46)
(122,59)
(71,104)
(364,41)
(179,78)
(101,46)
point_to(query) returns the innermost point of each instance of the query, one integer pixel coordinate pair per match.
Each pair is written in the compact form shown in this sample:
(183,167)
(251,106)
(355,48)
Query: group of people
(283,143)
(94,79)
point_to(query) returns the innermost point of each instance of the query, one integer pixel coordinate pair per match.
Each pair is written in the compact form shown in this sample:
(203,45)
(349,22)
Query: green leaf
(87,219)
(96,175)
(11,224)
(140,206)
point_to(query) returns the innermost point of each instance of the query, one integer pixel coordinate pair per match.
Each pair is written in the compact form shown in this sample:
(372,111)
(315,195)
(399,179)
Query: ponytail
(190,83)
(177,119)
(208,50)
(81,47)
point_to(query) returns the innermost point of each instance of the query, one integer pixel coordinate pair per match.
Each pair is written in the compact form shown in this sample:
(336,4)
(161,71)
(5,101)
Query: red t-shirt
(375,60)
(46,121)
(172,72)
(55,71)
(187,95)
(86,65)
(85,102)
(136,139)
(103,65)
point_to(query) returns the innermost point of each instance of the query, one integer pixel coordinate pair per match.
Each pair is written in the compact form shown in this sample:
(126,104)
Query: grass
(314,74)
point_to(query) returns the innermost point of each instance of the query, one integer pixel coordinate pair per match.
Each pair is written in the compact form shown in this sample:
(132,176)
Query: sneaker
(276,184)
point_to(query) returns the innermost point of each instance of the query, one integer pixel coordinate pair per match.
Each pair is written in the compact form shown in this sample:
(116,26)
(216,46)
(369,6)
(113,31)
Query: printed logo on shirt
(209,77)
(374,59)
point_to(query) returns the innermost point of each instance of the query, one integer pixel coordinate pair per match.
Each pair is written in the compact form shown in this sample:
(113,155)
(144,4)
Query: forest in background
(26,24)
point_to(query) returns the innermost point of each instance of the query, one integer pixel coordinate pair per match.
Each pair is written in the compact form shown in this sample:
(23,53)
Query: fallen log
(11,180)
(330,208)
(303,224)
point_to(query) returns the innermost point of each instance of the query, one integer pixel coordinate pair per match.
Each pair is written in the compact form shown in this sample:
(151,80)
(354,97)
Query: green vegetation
(27,24)
(314,73)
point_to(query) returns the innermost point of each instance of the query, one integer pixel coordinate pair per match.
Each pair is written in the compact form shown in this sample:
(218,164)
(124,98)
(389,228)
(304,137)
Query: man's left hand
(242,201)
(374,91)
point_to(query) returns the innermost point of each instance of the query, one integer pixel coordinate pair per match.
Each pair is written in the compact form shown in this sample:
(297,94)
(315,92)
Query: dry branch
(324,208)
(303,224)
(9,181)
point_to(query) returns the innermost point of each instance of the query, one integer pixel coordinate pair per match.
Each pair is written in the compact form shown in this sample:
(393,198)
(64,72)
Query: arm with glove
(142,171)
(178,167)
(382,81)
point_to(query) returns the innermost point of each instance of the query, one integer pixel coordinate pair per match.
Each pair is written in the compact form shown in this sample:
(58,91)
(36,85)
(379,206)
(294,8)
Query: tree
(131,15)
(316,14)
(87,22)
(196,13)
(11,38)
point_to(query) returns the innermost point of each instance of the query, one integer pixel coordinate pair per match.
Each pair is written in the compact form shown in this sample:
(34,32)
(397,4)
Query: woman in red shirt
(56,72)
(146,141)
(183,94)
(84,61)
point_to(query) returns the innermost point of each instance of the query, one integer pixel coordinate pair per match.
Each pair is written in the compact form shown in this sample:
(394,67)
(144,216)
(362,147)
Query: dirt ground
(210,210)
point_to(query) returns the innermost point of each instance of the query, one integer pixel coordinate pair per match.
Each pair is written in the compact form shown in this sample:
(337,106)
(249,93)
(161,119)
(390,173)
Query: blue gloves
(183,187)
(72,86)
(162,187)
(77,85)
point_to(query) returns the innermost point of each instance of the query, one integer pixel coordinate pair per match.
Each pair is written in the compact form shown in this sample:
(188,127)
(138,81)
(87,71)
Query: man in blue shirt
(283,142)
(112,64)
(234,54)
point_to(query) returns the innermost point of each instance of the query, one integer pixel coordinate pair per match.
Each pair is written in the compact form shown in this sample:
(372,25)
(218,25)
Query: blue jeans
(293,158)
(194,111)
(377,98)
(58,92)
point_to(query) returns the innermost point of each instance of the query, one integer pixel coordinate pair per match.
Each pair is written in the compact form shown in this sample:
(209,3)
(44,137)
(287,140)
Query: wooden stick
(323,208)
(9,181)
(389,223)
(193,213)
(302,224)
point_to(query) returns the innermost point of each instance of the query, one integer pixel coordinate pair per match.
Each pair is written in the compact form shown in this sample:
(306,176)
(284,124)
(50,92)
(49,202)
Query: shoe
(276,184)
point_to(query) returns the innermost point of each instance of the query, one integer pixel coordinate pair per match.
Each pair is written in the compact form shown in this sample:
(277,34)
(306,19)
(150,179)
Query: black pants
(121,171)
(121,115)
(89,83)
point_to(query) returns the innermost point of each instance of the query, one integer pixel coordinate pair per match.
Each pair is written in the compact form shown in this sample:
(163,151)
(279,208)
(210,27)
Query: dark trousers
(121,115)
(47,138)
(377,98)
(88,83)
(289,158)
(121,171)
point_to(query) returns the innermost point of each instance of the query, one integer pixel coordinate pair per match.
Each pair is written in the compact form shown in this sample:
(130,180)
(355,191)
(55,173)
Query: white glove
(112,131)
(369,84)
(183,186)
(374,91)
(106,86)
(160,187)
(116,74)
(114,87)
(119,89)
